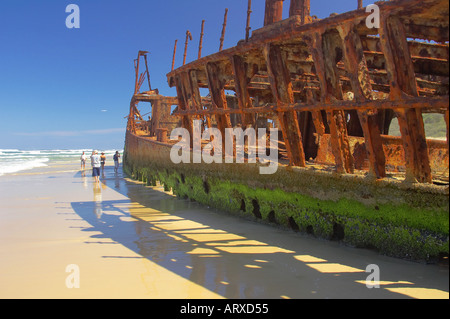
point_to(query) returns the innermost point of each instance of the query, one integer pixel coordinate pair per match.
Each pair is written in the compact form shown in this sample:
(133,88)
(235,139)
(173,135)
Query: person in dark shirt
(103,161)
(116,161)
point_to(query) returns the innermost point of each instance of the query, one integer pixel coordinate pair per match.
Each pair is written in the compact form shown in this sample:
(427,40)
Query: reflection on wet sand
(97,201)
(84,178)
(230,256)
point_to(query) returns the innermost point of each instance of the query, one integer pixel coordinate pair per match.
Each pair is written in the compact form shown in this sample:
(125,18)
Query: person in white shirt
(95,162)
(83,161)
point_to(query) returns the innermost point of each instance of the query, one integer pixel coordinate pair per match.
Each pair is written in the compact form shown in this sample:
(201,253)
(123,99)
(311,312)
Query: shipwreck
(332,87)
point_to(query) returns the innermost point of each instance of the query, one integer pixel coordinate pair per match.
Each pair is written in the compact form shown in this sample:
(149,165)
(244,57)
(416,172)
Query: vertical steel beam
(273,11)
(131,121)
(200,43)
(195,90)
(136,68)
(188,37)
(241,80)
(187,91)
(402,81)
(216,84)
(249,12)
(224,28)
(325,65)
(174,53)
(316,116)
(183,104)
(356,66)
(360,4)
(156,116)
(191,93)
(148,74)
(281,85)
(301,8)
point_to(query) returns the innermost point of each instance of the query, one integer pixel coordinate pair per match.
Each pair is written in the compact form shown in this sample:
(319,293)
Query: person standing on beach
(103,161)
(116,161)
(83,161)
(95,162)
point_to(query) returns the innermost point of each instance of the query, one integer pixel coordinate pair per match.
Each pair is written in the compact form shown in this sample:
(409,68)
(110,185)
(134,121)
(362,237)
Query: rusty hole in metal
(242,205)
(271,217)
(338,232)
(256,209)
(206,187)
(293,224)
(440,183)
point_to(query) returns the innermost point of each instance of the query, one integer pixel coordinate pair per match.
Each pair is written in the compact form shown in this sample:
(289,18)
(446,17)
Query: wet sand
(132,241)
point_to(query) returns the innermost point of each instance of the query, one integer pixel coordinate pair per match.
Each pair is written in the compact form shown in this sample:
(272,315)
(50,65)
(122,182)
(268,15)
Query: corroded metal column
(188,37)
(242,80)
(358,72)
(274,11)
(300,8)
(249,12)
(217,79)
(323,49)
(360,4)
(174,53)
(183,104)
(200,44)
(402,80)
(224,28)
(156,116)
(281,85)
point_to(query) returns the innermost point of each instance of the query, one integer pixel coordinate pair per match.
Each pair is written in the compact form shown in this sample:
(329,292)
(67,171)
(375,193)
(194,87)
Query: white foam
(8,150)
(14,160)
(22,165)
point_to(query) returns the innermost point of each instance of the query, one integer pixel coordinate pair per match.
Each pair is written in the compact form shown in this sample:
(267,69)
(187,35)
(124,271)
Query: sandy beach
(121,239)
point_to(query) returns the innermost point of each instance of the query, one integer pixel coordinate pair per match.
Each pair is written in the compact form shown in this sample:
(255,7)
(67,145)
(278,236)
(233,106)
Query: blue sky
(66,88)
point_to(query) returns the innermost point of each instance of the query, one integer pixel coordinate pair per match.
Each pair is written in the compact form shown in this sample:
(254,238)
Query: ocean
(14,160)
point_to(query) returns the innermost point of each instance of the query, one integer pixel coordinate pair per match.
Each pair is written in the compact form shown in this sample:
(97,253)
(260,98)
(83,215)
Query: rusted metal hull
(334,76)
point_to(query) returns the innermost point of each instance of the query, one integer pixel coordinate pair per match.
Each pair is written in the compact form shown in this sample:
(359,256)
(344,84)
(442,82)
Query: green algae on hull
(397,220)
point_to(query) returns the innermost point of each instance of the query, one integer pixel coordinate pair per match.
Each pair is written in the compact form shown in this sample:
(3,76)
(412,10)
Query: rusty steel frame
(161,120)
(140,77)
(309,74)
(136,122)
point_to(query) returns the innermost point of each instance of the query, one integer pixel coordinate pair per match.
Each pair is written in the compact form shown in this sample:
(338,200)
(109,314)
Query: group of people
(99,161)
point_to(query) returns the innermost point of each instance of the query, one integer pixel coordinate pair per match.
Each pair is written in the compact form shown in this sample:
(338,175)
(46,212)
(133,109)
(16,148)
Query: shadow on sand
(233,257)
